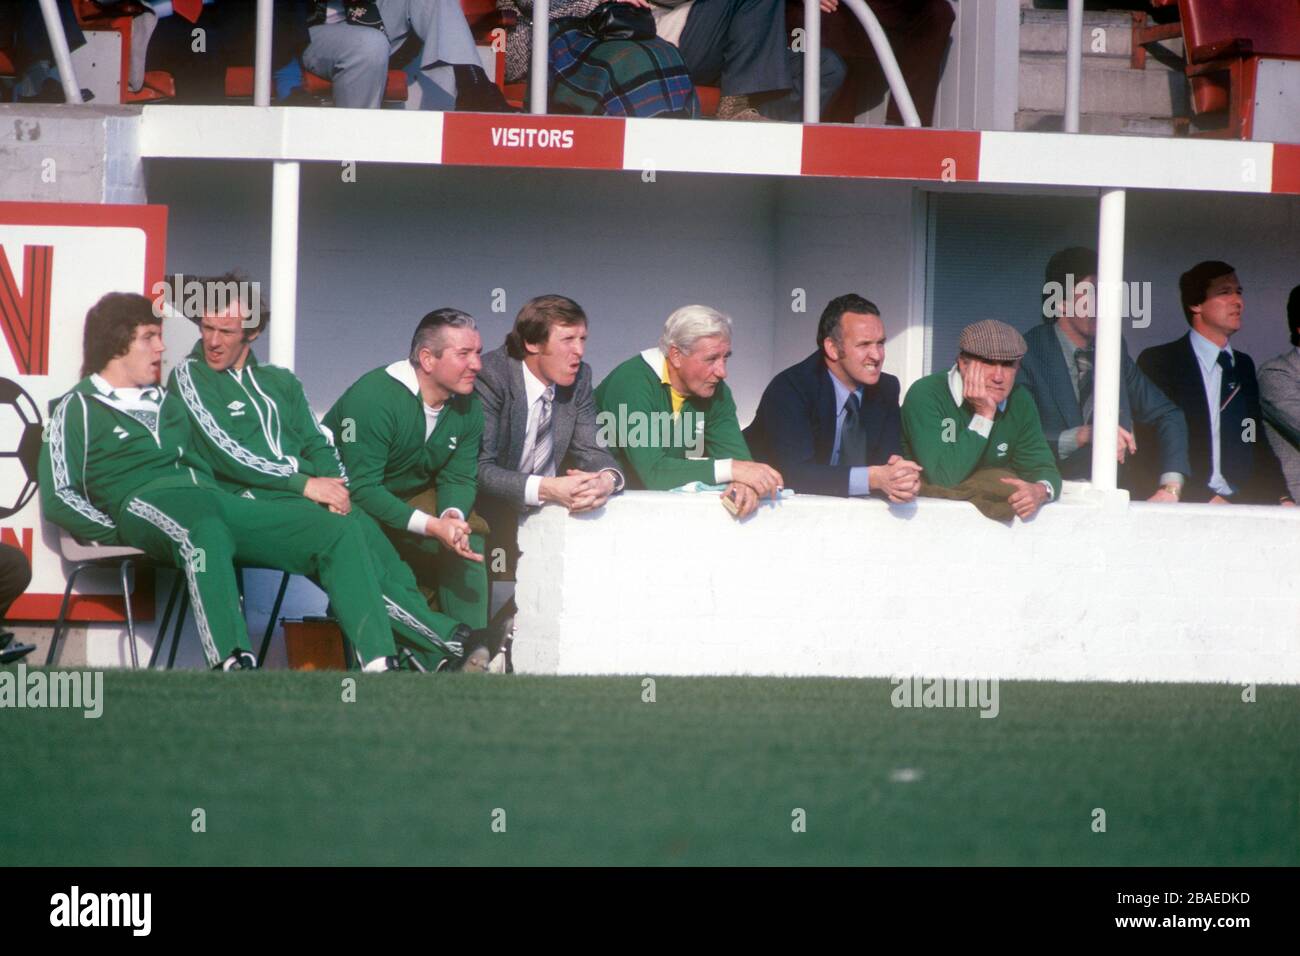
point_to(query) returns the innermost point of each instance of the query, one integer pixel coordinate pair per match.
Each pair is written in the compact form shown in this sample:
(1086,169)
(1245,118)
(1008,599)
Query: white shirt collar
(533,387)
(404,372)
(655,359)
(1207,353)
(129,395)
(956,390)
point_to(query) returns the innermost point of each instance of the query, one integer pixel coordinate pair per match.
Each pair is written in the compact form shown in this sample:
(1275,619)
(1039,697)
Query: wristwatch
(1173,489)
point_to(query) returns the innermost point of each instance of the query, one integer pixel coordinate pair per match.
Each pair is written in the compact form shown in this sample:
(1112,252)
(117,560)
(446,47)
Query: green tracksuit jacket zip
(243,421)
(96,457)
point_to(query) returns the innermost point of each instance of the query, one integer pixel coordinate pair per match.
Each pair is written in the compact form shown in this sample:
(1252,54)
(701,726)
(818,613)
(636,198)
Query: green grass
(589,774)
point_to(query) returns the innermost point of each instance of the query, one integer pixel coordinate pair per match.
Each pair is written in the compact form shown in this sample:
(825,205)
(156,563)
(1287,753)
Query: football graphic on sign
(20,447)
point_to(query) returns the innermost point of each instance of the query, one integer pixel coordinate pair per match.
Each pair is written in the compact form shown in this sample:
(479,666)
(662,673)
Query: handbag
(619,21)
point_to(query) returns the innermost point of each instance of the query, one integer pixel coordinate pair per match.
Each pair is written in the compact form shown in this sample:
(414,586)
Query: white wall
(1091,589)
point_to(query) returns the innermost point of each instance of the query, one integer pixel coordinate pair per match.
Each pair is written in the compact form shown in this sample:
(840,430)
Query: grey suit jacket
(1279,395)
(500,387)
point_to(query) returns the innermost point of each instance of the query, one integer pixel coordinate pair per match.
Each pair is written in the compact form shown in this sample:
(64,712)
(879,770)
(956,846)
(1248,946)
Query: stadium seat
(7,65)
(158,84)
(93,555)
(1225,41)
(239,84)
(185,604)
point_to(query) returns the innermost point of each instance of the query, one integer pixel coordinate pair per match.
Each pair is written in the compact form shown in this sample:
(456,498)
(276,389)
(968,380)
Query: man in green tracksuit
(972,417)
(113,469)
(670,400)
(413,428)
(253,429)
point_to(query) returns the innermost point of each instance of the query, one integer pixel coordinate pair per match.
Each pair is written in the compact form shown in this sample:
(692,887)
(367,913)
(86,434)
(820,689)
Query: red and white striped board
(707,146)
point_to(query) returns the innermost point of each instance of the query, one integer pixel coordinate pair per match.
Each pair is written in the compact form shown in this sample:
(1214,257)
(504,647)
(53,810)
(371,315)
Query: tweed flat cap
(992,340)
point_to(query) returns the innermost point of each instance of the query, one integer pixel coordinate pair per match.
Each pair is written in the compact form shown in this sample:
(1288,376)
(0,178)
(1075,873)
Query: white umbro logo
(1002,449)
(454,439)
(236,408)
(121,432)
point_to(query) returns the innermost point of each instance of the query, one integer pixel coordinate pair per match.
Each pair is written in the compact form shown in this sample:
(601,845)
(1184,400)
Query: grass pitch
(416,770)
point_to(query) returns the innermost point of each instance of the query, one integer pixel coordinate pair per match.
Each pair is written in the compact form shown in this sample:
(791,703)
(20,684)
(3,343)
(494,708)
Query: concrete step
(1109,86)
(1102,124)
(1104,34)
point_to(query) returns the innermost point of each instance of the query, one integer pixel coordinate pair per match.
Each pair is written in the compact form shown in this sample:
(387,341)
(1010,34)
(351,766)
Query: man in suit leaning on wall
(1215,386)
(538,417)
(1058,370)
(830,424)
(1279,394)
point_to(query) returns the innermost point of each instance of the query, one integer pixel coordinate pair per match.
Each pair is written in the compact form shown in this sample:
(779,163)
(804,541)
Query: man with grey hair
(672,400)
(409,438)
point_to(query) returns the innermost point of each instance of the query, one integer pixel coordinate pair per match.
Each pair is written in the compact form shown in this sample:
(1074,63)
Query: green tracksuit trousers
(409,613)
(206,532)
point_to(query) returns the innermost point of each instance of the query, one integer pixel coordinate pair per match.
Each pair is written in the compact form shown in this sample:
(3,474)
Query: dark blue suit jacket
(1044,372)
(794,430)
(1174,369)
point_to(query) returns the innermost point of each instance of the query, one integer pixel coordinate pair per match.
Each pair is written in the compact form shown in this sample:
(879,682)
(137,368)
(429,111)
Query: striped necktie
(544,444)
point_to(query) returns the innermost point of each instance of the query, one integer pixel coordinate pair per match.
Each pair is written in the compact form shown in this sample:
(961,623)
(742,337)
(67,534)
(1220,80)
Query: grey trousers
(739,45)
(355,58)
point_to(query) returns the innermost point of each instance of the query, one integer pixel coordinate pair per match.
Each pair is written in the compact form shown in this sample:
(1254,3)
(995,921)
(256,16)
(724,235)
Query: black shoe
(475,93)
(15,652)
(6,637)
(240,660)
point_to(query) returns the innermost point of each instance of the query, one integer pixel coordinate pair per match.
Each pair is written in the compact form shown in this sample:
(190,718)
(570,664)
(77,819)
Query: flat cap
(992,340)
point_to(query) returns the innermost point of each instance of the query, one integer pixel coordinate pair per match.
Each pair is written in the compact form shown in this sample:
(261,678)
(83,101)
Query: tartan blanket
(618,77)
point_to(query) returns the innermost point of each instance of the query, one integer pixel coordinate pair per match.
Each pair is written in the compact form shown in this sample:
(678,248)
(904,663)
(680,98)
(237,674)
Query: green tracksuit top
(95,458)
(378,426)
(636,415)
(253,427)
(937,436)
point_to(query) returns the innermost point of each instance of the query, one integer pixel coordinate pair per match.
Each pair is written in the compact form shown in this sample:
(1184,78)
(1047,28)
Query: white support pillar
(62,55)
(1106,363)
(284,261)
(541,51)
(262,55)
(1073,64)
(812,62)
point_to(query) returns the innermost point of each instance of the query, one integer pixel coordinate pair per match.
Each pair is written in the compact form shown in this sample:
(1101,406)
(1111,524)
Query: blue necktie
(853,440)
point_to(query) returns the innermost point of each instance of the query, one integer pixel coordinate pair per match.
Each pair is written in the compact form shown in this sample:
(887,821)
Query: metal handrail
(879,42)
(62,55)
(1073,64)
(541,52)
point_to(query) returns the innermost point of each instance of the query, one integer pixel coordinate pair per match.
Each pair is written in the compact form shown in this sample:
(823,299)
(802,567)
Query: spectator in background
(1058,371)
(978,436)
(352,41)
(15,575)
(1279,393)
(667,401)
(831,423)
(22,27)
(739,45)
(1215,386)
(917,31)
(196,40)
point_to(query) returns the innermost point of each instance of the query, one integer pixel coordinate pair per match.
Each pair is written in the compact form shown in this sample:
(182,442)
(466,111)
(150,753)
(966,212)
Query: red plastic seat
(7,64)
(239,84)
(158,84)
